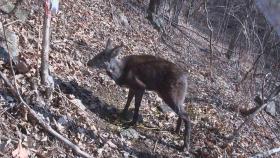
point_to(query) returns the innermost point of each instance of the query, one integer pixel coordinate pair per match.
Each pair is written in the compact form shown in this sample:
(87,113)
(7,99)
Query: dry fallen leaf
(20,151)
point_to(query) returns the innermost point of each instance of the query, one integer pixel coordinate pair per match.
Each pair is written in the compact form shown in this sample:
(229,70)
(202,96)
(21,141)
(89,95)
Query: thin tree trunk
(46,43)
(190,7)
(232,42)
(177,9)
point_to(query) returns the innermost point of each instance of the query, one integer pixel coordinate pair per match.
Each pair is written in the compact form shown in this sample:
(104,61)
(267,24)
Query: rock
(120,18)
(6,6)
(4,55)
(21,14)
(12,40)
(271,108)
(130,133)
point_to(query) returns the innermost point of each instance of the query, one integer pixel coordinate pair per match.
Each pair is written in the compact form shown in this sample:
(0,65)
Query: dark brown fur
(147,72)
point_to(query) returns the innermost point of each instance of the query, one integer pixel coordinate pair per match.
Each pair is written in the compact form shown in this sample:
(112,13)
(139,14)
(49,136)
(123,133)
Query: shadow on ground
(92,102)
(104,111)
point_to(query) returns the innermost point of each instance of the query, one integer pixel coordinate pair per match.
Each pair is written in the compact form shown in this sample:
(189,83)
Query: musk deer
(147,72)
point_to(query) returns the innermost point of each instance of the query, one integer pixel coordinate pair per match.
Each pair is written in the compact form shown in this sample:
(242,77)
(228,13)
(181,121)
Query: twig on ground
(4,110)
(266,153)
(44,125)
(5,25)
(155,147)
(261,104)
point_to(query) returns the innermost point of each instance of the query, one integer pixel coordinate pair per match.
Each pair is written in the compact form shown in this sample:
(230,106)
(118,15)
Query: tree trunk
(153,7)
(177,9)
(188,13)
(46,43)
(233,42)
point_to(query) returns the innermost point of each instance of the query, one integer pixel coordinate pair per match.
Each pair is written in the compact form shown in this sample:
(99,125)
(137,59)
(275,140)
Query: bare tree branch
(261,104)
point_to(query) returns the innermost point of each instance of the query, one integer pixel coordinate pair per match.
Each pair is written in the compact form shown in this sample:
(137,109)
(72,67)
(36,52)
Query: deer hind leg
(175,99)
(183,116)
(187,131)
(180,109)
(176,104)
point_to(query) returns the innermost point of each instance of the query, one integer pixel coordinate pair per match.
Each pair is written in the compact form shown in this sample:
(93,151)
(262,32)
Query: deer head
(105,56)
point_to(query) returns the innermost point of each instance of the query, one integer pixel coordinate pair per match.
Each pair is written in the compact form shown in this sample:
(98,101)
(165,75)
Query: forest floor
(86,103)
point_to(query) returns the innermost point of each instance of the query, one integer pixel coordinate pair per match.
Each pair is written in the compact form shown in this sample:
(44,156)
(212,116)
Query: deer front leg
(138,99)
(130,96)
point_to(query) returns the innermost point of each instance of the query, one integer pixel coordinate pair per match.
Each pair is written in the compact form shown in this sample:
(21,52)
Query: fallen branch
(266,153)
(154,150)
(261,104)
(41,122)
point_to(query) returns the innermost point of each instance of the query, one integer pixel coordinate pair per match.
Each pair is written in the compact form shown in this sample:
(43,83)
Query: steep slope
(86,102)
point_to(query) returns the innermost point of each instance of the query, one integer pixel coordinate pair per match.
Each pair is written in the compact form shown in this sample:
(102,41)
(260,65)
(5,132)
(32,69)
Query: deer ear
(108,45)
(116,51)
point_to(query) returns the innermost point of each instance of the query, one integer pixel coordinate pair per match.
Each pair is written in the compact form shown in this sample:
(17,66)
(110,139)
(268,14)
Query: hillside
(86,103)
